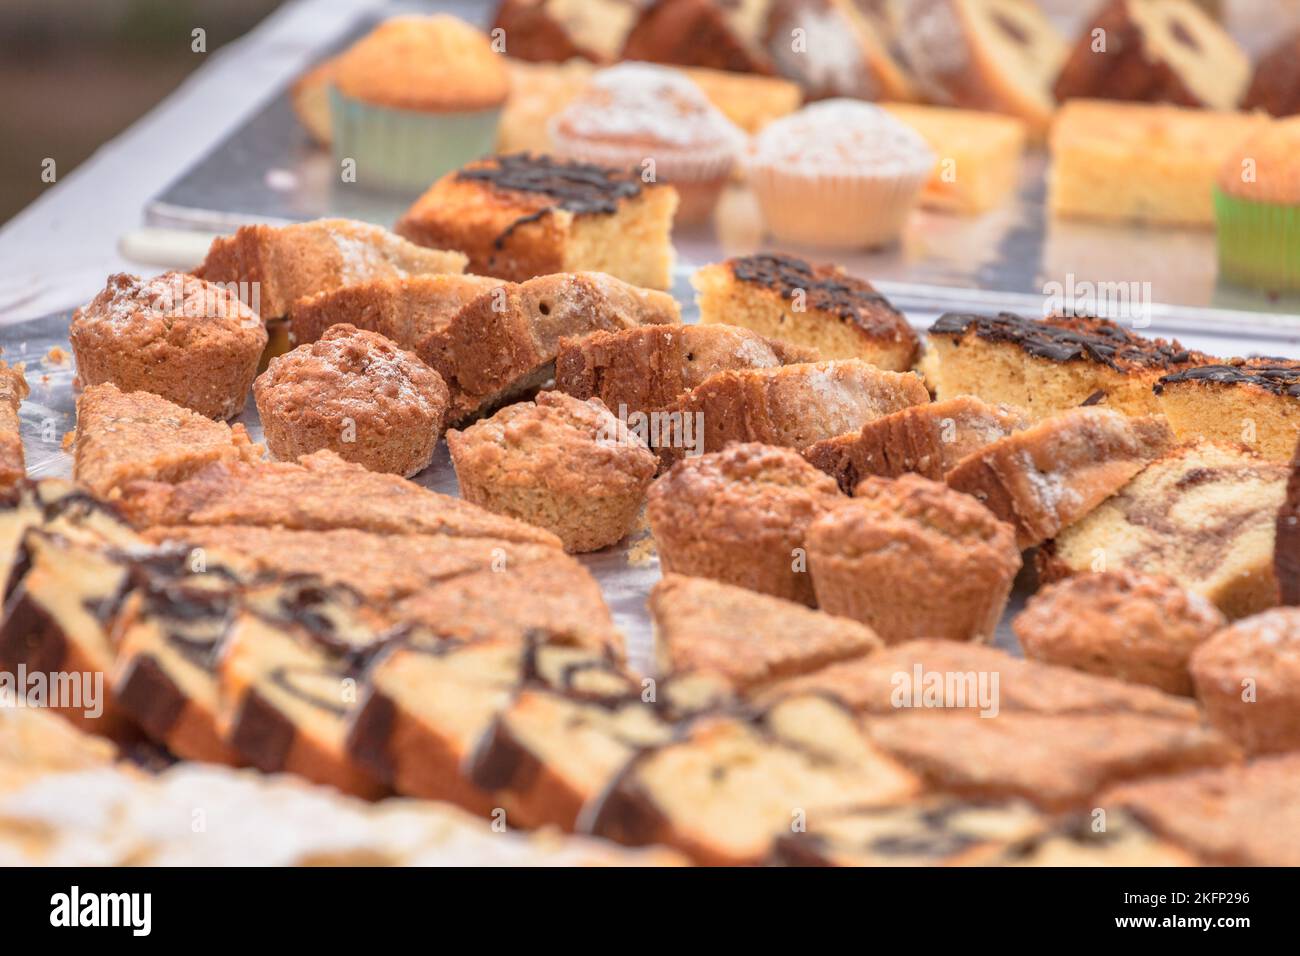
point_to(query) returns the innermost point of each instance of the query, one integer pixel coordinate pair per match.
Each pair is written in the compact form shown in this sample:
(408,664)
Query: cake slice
(820,307)
(128,436)
(730,787)
(1168,51)
(928,440)
(743,637)
(526,215)
(504,343)
(1275,85)
(1203,515)
(558,30)
(1117,839)
(797,405)
(319,492)
(13,466)
(281,264)
(703,33)
(404,310)
(1253,402)
(1044,478)
(1046,366)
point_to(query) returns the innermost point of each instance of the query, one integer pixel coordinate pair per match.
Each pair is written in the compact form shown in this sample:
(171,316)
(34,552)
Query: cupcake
(1257,207)
(911,558)
(416,98)
(657,121)
(838,173)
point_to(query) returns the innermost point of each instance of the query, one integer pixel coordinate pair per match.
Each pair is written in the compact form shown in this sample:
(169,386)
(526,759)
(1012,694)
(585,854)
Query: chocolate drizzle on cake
(1281,379)
(1068,339)
(824,288)
(579,188)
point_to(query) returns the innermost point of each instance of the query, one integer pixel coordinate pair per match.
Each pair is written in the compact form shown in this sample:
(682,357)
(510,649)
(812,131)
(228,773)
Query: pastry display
(1203,515)
(1121,624)
(882,557)
(1257,208)
(356,394)
(526,215)
(1251,402)
(561,463)
(192,342)
(13,389)
(740,516)
(819,307)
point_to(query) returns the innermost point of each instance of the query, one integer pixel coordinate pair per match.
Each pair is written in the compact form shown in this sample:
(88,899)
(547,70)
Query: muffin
(357,394)
(188,340)
(912,558)
(416,98)
(1121,624)
(658,122)
(1248,680)
(1257,207)
(739,516)
(838,173)
(560,463)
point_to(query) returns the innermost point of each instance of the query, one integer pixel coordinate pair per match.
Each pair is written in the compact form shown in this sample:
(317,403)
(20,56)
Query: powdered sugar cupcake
(838,173)
(657,120)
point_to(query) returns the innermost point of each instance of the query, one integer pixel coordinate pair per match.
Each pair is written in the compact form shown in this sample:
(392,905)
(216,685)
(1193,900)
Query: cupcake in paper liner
(656,120)
(838,173)
(415,99)
(1257,207)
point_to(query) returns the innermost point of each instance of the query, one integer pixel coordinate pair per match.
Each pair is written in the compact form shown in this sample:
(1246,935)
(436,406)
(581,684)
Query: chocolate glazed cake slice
(1253,402)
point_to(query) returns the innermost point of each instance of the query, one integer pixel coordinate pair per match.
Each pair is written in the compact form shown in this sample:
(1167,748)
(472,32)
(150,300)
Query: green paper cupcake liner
(1259,243)
(406,150)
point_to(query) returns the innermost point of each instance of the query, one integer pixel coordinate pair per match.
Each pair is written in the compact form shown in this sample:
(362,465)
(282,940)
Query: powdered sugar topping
(843,136)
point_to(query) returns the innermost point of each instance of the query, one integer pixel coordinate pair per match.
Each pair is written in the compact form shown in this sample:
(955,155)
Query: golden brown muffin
(281,264)
(560,463)
(190,341)
(357,394)
(1203,515)
(1043,479)
(926,439)
(13,389)
(527,215)
(1248,679)
(739,516)
(310,98)
(883,557)
(126,436)
(1252,402)
(820,307)
(1122,624)
(750,639)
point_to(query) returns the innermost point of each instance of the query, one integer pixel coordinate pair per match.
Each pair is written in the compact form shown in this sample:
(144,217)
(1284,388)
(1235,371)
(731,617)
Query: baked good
(61,509)
(1252,402)
(35,744)
(128,436)
(747,638)
(1286,548)
(1087,840)
(318,492)
(1121,624)
(1203,515)
(978,154)
(657,121)
(751,101)
(948,673)
(729,787)
(13,389)
(560,29)
(739,516)
(1246,681)
(1159,51)
(190,341)
(357,394)
(819,307)
(878,23)
(526,215)
(504,343)
(415,98)
(282,264)
(537,92)
(838,173)
(1257,210)
(561,463)
(1057,763)
(702,33)
(1138,162)
(796,405)
(882,557)
(995,55)
(1275,85)
(926,439)
(404,310)
(1231,816)
(1047,366)
(1044,478)
(310,98)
